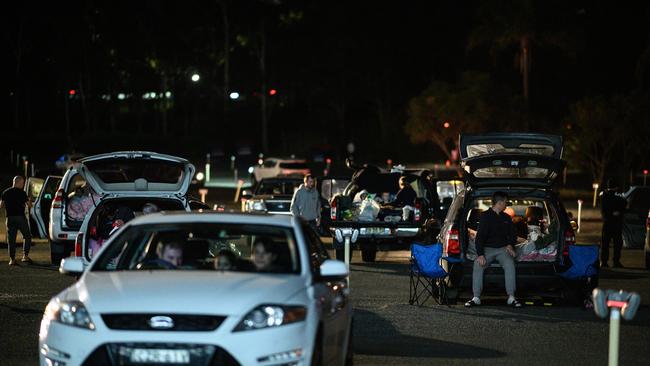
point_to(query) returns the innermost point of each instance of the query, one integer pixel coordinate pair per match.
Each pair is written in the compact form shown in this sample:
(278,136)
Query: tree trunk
(525,71)
(262,61)
(226,61)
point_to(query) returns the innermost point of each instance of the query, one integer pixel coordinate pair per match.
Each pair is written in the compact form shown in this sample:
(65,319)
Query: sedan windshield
(202,246)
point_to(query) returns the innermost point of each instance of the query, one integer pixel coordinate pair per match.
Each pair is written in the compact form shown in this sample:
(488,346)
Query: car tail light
(77,245)
(333,210)
(58,199)
(417,212)
(453,241)
(569,239)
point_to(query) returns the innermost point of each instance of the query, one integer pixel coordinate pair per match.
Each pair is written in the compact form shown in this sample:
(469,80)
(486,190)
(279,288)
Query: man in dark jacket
(14,200)
(495,239)
(612,209)
(405,196)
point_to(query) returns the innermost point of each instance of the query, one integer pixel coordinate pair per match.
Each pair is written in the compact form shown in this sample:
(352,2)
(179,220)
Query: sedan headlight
(72,313)
(257,205)
(268,316)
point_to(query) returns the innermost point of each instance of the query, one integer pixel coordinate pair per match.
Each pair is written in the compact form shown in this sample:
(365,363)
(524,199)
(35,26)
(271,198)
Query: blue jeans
(15,223)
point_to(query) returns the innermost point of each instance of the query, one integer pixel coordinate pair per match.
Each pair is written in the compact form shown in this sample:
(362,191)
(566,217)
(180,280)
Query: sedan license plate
(375,231)
(162,356)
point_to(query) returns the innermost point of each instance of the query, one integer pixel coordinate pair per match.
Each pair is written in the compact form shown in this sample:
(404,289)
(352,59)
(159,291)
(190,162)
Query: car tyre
(349,354)
(369,254)
(340,255)
(317,353)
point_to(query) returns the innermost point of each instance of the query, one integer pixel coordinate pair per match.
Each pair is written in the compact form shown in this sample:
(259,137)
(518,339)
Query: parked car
(140,302)
(387,228)
(271,195)
(106,177)
(525,166)
(274,167)
(638,204)
(329,187)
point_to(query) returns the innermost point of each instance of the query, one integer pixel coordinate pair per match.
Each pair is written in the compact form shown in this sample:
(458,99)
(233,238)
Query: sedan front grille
(179,322)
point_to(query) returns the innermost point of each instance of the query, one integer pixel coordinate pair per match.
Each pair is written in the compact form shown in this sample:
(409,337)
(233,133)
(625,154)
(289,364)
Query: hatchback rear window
(488,149)
(128,170)
(294,166)
(511,172)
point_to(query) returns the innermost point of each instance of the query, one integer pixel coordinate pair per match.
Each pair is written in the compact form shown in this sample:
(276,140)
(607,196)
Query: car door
(33,187)
(634,219)
(40,212)
(334,300)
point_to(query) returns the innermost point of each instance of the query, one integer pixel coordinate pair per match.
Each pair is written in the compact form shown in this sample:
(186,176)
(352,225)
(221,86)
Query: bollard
(240,184)
(579,213)
(203,192)
(595,187)
(621,303)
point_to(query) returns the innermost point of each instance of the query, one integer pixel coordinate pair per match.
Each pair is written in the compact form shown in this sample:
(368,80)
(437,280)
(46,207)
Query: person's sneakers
(618,265)
(512,301)
(26,259)
(475,301)
(12,262)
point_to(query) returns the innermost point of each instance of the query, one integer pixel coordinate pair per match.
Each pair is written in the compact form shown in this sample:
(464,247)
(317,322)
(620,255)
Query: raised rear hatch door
(137,173)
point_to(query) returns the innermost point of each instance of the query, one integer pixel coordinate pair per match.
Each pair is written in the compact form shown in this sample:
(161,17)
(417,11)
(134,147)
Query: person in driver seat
(170,252)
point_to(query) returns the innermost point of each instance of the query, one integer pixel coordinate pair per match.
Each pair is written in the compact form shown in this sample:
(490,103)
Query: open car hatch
(511,159)
(137,173)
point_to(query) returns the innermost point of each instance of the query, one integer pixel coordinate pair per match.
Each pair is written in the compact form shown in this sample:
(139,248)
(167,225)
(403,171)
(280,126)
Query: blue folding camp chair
(428,276)
(582,277)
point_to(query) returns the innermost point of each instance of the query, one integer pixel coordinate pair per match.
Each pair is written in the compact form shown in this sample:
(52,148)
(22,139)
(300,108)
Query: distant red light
(645,171)
(273,92)
(328,161)
(447,124)
(72,92)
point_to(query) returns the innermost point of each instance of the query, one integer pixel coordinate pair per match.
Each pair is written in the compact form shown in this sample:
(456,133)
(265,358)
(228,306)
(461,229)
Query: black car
(524,166)
(272,195)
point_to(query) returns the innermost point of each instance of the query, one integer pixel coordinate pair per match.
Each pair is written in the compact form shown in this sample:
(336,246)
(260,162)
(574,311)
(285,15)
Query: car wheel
(340,255)
(317,353)
(368,253)
(349,354)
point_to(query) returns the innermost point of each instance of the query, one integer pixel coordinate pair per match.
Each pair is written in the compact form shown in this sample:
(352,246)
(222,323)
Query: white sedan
(203,289)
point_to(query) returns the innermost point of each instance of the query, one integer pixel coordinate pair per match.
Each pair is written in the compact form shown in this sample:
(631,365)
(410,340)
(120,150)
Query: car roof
(214,217)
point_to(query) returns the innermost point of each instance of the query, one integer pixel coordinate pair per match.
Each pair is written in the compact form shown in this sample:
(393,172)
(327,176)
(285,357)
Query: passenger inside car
(170,252)
(269,256)
(226,260)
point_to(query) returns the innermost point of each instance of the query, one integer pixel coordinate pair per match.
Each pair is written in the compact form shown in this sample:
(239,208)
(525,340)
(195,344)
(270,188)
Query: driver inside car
(171,252)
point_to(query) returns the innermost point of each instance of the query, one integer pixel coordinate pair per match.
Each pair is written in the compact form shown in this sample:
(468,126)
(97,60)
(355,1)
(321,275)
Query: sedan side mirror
(333,270)
(72,266)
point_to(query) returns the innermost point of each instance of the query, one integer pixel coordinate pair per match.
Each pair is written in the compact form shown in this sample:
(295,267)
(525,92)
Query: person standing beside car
(612,210)
(14,200)
(306,202)
(495,239)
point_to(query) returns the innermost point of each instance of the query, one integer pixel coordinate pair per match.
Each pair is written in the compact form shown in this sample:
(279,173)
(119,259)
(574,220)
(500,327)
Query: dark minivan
(524,165)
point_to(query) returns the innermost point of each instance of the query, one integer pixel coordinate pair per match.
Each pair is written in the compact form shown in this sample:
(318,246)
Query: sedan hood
(198,292)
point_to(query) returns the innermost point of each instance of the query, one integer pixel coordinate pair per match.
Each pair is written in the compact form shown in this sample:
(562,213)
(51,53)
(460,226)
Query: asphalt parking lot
(389,331)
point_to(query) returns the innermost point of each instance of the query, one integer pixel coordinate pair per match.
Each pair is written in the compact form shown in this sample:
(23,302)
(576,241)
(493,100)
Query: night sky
(339,69)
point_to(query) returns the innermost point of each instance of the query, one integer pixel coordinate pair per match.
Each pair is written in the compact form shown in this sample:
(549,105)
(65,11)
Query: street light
(446,124)
(234,95)
(196,77)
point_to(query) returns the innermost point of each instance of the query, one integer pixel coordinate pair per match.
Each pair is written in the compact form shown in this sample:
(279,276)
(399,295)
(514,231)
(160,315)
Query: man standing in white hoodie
(306,202)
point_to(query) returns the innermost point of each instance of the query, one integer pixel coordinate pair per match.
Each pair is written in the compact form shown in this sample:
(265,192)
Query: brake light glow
(77,244)
(333,210)
(58,199)
(569,239)
(417,211)
(453,241)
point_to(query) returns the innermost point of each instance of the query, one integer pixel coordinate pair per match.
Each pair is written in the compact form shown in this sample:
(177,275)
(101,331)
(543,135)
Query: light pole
(595,187)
